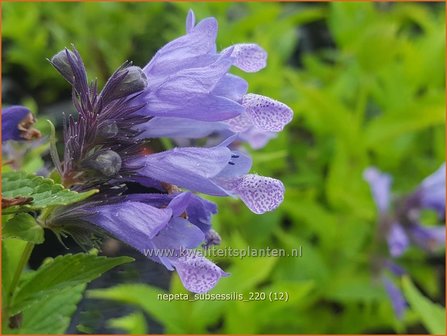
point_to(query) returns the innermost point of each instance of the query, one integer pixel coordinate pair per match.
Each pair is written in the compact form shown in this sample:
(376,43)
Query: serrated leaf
(51,315)
(63,272)
(23,226)
(431,314)
(44,191)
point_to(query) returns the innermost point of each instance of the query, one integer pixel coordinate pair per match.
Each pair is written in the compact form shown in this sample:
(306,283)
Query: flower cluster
(185,91)
(401,226)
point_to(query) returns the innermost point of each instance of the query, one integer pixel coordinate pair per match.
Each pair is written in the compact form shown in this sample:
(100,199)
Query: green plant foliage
(372,95)
(24,227)
(43,191)
(61,273)
(51,314)
(432,315)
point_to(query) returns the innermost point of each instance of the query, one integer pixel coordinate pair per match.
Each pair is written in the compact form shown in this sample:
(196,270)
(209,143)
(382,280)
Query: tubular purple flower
(430,238)
(165,235)
(16,124)
(215,171)
(380,185)
(189,79)
(396,297)
(432,191)
(397,239)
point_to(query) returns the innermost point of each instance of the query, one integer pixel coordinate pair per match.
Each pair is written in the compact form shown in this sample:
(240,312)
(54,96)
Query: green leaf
(147,298)
(44,191)
(52,314)
(431,314)
(134,324)
(63,272)
(23,226)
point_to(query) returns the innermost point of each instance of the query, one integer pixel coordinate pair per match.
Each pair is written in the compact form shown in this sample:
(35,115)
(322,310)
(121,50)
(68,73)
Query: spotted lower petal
(266,113)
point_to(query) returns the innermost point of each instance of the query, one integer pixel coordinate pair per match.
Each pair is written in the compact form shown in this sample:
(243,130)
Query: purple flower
(215,171)
(397,239)
(16,124)
(189,79)
(396,297)
(185,91)
(160,226)
(380,184)
(430,238)
(432,191)
(103,136)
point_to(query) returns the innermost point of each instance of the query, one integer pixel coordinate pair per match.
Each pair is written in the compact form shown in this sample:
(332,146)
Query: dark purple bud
(124,82)
(108,129)
(107,162)
(62,64)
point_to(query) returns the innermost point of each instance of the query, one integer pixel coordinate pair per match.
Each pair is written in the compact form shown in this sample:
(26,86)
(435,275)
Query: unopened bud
(107,162)
(134,81)
(61,63)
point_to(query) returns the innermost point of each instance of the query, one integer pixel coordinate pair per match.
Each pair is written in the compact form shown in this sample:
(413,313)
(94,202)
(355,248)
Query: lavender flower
(396,297)
(163,227)
(401,225)
(217,101)
(105,148)
(432,191)
(16,124)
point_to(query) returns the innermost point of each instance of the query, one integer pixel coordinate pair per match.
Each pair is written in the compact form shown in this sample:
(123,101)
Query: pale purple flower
(432,191)
(185,91)
(215,171)
(397,240)
(16,124)
(189,79)
(430,238)
(380,185)
(396,297)
(162,227)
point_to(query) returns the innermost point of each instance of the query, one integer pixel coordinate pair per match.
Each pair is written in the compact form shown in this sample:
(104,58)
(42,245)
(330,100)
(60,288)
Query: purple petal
(170,102)
(397,240)
(241,123)
(249,57)
(178,234)
(159,127)
(190,21)
(396,297)
(188,167)
(12,117)
(134,223)
(256,138)
(266,113)
(231,87)
(380,185)
(198,274)
(432,191)
(259,193)
(201,40)
(429,238)
(200,211)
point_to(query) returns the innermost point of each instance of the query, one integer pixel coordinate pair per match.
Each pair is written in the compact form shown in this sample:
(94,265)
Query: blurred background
(367,84)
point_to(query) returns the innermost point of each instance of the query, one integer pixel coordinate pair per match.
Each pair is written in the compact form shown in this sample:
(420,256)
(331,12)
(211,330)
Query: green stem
(22,263)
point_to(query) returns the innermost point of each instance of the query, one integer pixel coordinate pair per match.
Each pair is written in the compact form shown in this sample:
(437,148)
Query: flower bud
(107,162)
(108,129)
(134,81)
(61,63)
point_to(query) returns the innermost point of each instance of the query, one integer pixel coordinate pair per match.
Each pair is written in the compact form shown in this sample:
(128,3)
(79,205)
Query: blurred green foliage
(376,97)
